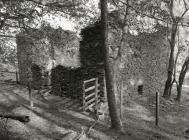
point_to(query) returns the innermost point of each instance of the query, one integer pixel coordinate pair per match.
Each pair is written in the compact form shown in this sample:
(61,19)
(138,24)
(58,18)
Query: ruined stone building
(42,49)
(54,59)
(144,60)
(145,55)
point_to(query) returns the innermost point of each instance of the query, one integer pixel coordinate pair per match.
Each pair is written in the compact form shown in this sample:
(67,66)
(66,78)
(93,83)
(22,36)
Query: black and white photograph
(94,69)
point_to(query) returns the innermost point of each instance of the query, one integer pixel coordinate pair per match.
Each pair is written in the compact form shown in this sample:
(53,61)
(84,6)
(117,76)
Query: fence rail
(91,97)
(90,80)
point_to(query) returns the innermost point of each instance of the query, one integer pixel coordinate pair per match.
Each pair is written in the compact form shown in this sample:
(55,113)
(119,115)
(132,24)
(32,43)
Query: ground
(139,116)
(58,118)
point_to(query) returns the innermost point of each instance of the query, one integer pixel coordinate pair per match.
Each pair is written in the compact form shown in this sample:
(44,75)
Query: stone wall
(146,61)
(35,54)
(69,81)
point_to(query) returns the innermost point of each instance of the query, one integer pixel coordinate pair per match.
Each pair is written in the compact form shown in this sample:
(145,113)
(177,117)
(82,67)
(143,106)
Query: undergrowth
(5,134)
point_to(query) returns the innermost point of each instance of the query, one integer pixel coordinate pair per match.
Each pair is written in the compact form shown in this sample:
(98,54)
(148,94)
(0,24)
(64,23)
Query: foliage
(59,37)
(19,14)
(50,44)
(8,52)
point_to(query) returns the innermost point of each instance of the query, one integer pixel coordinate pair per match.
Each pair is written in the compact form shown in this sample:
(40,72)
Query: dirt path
(52,118)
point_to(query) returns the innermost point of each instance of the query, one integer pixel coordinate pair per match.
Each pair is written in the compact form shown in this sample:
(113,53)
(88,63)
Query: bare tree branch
(153,17)
(8,36)
(55,3)
(186,10)
(185,4)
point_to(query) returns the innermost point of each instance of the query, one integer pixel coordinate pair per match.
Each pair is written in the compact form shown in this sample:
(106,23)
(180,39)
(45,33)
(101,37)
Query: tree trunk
(168,84)
(169,74)
(179,87)
(115,120)
(118,59)
(174,74)
(181,78)
(179,90)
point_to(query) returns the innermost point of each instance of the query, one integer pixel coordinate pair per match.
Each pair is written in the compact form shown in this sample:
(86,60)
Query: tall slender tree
(184,69)
(175,20)
(115,119)
(165,12)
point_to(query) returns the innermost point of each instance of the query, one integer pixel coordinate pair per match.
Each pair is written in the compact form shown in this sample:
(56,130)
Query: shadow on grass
(48,112)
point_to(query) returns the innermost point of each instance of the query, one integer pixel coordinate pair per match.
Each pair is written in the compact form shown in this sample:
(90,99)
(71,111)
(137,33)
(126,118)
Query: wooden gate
(91,96)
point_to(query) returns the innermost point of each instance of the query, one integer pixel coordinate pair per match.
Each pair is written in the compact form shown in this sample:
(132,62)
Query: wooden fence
(91,96)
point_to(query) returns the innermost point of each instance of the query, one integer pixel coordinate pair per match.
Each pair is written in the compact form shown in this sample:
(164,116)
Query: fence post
(30,93)
(17,77)
(30,87)
(105,95)
(157,108)
(83,96)
(121,99)
(96,94)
